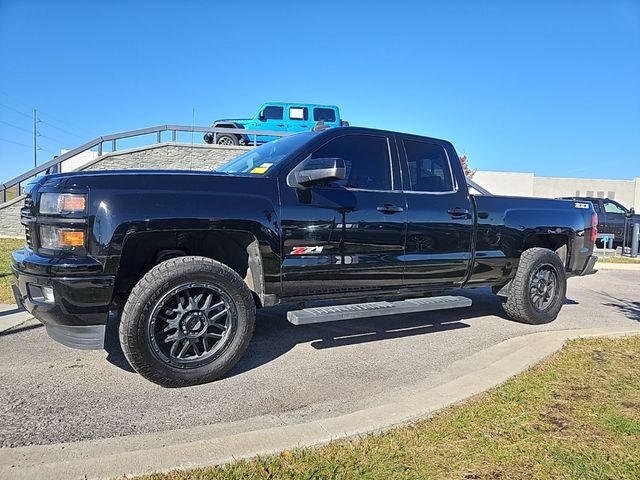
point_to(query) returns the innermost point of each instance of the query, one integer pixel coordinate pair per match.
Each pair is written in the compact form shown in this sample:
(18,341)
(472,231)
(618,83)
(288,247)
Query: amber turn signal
(61,238)
(72,238)
(73,203)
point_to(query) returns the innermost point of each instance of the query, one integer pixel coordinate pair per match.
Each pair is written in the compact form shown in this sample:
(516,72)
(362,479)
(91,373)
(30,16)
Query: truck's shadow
(274,335)
(628,308)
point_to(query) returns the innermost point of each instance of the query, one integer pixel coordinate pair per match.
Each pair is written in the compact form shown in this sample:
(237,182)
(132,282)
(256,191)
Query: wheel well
(557,242)
(237,250)
(225,125)
(239,137)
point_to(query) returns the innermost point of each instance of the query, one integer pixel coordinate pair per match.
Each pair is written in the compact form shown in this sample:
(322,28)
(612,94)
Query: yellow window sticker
(262,168)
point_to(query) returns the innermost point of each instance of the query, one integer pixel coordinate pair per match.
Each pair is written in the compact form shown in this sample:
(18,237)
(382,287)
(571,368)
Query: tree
(465,167)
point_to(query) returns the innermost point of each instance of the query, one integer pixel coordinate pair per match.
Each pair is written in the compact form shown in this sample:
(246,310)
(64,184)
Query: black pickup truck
(182,259)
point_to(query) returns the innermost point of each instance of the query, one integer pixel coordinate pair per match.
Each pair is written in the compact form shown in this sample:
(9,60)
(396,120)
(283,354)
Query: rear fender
(553,229)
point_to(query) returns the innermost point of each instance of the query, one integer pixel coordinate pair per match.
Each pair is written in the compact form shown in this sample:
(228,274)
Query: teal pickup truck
(276,117)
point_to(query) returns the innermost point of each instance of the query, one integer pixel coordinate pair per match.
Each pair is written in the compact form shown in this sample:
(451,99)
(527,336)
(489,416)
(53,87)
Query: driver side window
(611,207)
(273,113)
(366,158)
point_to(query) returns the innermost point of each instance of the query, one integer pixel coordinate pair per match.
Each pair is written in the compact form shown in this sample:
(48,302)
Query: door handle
(388,208)
(281,124)
(458,212)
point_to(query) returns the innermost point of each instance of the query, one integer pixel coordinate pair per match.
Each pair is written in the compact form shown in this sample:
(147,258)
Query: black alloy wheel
(537,291)
(543,286)
(187,321)
(191,324)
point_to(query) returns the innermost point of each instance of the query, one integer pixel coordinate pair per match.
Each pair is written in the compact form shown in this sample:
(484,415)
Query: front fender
(126,213)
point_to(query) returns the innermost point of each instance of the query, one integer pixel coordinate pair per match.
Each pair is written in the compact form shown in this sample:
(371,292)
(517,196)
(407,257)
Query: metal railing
(15,184)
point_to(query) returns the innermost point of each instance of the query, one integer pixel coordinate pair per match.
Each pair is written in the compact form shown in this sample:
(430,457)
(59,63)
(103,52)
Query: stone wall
(167,156)
(163,156)
(10,225)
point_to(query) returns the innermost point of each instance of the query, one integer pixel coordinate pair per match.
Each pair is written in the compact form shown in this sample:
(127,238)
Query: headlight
(62,203)
(61,238)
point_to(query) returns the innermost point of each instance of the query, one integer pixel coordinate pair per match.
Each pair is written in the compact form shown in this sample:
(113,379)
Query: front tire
(187,321)
(227,139)
(539,288)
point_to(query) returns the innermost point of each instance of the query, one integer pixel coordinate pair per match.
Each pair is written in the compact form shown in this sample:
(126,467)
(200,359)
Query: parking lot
(290,374)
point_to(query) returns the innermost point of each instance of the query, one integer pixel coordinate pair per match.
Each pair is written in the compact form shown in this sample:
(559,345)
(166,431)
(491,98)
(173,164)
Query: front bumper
(77,314)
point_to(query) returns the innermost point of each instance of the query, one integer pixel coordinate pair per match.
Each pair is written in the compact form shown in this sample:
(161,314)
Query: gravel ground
(53,394)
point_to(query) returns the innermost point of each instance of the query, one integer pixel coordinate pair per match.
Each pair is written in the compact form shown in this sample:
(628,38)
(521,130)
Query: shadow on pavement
(115,355)
(274,335)
(19,329)
(628,308)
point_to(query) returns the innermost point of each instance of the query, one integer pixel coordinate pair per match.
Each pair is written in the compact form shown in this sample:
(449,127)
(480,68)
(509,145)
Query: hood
(146,180)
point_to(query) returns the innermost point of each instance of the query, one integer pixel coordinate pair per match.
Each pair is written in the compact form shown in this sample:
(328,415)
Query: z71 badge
(581,205)
(305,250)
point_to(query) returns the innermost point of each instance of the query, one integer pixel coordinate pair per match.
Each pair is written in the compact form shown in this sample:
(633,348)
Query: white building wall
(78,160)
(627,192)
(506,183)
(622,191)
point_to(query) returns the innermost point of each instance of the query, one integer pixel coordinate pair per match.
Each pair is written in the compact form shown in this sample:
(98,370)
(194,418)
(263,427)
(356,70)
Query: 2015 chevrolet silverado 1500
(346,214)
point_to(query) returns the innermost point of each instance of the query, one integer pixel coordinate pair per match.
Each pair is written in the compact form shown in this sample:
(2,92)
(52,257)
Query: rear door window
(324,114)
(429,169)
(298,113)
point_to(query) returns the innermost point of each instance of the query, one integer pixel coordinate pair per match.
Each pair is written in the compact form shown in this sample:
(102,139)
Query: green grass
(575,416)
(6,277)
(618,260)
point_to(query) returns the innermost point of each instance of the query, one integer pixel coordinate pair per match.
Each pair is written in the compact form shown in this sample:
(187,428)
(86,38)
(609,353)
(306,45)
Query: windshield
(264,157)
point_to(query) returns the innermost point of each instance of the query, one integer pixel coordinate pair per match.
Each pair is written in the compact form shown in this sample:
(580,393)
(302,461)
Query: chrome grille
(27,234)
(25,219)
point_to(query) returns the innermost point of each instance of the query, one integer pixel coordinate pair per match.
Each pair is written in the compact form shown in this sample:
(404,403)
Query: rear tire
(538,290)
(187,321)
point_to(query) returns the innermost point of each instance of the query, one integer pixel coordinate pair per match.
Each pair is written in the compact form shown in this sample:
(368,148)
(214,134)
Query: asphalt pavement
(52,394)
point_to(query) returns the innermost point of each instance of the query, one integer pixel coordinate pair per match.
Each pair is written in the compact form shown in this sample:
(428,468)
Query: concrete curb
(222,443)
(617,266)
(11,316)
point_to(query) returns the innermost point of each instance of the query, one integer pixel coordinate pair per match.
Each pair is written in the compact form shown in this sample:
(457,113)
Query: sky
(550,87)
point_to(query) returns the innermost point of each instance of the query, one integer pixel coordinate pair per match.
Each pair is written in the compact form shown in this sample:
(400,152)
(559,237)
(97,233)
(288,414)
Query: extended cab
(344,215)
(276,117)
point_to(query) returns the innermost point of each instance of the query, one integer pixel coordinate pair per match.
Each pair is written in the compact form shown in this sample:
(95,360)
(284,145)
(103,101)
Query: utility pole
(35,139)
